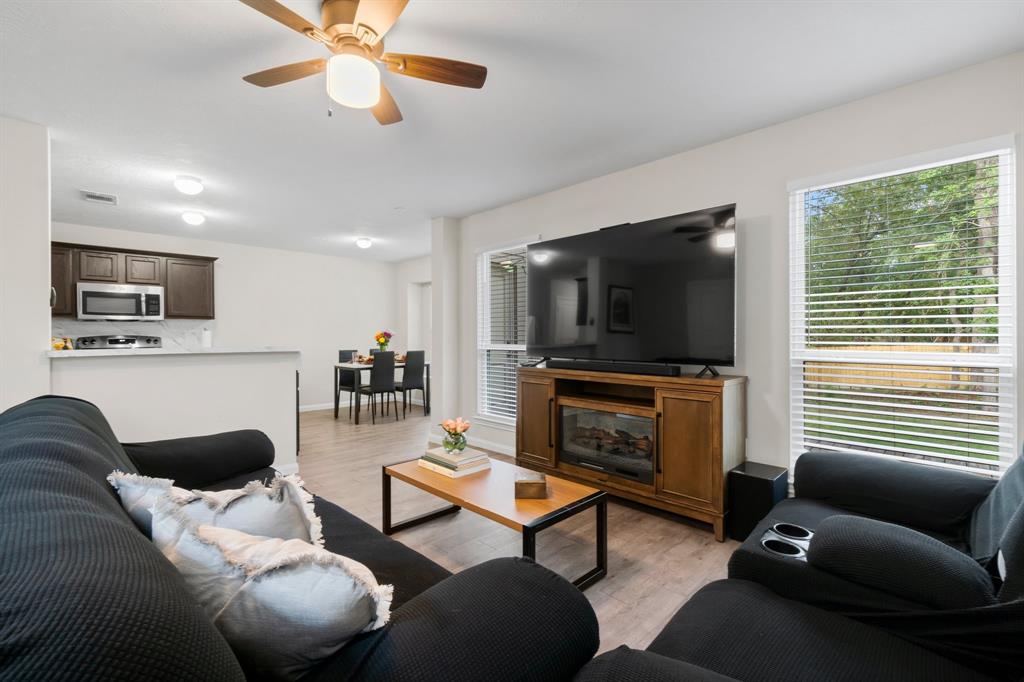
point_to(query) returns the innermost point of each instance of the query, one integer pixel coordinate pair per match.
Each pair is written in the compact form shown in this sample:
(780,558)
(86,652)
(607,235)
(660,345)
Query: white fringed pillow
(283,605)
(138,493)
(282,509)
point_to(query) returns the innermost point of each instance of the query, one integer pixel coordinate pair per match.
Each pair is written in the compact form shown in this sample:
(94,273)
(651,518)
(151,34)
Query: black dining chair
(412,378)
(347,378)
(382,382)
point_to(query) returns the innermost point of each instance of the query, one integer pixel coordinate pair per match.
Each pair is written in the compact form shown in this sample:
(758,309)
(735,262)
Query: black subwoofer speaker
(753,490)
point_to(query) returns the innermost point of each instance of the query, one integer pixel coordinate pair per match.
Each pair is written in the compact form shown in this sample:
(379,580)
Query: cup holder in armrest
(781,546)
(798,535)
(791,531)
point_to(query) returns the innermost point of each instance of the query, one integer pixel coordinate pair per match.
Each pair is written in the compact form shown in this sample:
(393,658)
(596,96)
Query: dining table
(357,369)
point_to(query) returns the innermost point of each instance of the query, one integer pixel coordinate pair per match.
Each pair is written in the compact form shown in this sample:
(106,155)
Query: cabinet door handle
(657,444)
(551,422)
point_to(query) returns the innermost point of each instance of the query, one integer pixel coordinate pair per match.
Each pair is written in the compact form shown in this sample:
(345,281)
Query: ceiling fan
(703,226)
(353,30)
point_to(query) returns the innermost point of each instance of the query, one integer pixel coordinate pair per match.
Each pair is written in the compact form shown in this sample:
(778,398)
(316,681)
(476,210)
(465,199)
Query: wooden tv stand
(698,433)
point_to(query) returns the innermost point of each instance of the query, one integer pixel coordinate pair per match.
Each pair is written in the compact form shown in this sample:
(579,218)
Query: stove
(107,342)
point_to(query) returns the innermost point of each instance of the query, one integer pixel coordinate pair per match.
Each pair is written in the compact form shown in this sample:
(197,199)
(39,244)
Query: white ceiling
(136,92)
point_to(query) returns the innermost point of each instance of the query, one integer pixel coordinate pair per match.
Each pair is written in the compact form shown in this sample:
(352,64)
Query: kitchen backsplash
(176,334)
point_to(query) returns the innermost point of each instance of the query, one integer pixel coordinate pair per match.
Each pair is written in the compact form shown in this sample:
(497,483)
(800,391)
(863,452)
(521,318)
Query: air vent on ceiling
(99,197)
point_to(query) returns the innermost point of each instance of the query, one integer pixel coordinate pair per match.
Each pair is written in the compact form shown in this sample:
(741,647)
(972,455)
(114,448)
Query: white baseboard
(288,469)
(500,448)
(313,407)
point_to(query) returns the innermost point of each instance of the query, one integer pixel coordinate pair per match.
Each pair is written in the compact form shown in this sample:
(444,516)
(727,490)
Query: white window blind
(903,324)
(501,330)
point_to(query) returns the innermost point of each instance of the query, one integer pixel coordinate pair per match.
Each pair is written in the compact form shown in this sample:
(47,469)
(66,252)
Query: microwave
(98,301)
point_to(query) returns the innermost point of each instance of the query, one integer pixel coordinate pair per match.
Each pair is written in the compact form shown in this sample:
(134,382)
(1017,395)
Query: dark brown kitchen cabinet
(189,290)
(187,280)
(143,269)
(99,266)
(62,281)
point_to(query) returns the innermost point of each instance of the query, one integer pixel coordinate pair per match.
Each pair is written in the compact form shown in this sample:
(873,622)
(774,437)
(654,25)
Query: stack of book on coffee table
(455,464)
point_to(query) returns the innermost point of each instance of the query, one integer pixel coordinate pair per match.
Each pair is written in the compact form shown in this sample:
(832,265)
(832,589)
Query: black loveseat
(908,549)
(876,600)
(84,595)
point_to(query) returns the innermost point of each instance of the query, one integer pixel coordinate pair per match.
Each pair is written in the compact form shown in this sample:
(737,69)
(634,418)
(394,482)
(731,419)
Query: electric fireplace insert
(616,443)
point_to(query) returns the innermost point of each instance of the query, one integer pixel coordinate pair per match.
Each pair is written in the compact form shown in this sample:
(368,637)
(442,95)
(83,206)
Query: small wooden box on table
(698,434)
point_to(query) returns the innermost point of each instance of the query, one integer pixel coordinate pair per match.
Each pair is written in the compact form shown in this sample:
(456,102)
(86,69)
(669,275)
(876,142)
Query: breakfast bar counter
(156,393)
(222,350)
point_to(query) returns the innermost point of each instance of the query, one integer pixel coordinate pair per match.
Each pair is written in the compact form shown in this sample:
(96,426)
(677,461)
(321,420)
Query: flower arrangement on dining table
(383,338)
(455,430)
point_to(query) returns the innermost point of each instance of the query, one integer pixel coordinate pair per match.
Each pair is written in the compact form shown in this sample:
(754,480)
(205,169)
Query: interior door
(535,420)
(689,447)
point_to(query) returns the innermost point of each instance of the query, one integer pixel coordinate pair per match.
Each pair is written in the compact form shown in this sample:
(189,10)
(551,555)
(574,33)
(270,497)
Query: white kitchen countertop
(221,350)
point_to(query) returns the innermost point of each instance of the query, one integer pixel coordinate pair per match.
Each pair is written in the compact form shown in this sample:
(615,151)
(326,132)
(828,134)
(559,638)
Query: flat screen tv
(661,291)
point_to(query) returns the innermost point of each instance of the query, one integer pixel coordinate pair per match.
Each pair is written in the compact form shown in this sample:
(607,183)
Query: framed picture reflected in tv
(620,310)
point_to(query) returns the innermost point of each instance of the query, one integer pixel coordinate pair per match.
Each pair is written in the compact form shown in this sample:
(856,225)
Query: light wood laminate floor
(655,560)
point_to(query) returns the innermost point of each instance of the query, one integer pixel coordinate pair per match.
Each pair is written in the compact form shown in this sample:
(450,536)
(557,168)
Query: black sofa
(84,595)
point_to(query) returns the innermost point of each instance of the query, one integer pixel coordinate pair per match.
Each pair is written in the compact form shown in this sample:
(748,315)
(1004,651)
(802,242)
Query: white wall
(410,317)
(445,255)
(24,261)
(274,297)
(752,170)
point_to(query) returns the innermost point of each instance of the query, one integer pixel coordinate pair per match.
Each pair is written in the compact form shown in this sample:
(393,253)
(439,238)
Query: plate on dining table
(368,359)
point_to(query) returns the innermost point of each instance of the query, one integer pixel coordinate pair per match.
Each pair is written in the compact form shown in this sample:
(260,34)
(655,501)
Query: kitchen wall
(412,304)
(24,261)
(752,170)
(266,297)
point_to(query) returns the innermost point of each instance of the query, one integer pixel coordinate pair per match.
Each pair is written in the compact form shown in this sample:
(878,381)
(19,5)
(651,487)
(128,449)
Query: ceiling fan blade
(690,229)
(287,73)
(701,237)
(378,16)
(447,71)
(386,111)
(283,15)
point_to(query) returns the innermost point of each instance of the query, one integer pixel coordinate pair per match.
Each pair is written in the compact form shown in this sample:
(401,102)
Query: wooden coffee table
(492,494)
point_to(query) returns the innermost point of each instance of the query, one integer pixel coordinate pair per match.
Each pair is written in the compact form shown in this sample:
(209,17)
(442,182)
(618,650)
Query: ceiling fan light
(193,218)
(353,81)
(187,184)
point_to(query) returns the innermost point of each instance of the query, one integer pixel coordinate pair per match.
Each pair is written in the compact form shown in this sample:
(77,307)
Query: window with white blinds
(501,330)
(903,324)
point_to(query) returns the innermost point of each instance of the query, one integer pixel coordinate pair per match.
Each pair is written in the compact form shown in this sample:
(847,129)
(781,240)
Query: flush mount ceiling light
(364,242)
(193,218)
(541,257)
(187,184)
(353,81)
(353,31)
